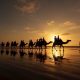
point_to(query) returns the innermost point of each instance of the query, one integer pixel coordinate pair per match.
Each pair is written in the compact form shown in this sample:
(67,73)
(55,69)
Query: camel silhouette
(14,44)
(22,44)
(30,44)
(60,43)
(7,44)
(42,43)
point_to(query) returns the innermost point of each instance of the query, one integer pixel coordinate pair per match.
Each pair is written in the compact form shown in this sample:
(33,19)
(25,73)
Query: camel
(60,43)
(14,44)
(42,44)
(46,43)
(7,44)
(30,44)
(22,44)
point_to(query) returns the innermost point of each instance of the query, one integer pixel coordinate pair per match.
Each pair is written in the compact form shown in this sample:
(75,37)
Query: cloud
(68,23)
(51,23)
(65,34)
(69,28)
(27,6)
(27,28)
(30,30)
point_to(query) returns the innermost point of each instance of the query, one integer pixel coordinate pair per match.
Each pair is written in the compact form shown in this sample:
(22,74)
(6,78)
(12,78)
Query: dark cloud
(27,6)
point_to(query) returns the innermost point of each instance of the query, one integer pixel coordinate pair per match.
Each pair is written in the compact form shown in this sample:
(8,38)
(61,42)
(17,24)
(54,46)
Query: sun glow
(51,37)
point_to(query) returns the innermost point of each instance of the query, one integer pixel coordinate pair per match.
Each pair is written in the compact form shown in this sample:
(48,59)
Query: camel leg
(63,50)
(60,50)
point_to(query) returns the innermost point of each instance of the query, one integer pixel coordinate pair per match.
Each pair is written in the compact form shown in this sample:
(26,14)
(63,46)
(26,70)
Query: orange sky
(32,19)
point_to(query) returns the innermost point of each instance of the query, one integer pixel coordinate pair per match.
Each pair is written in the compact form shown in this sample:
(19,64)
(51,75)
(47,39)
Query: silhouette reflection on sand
(37,55)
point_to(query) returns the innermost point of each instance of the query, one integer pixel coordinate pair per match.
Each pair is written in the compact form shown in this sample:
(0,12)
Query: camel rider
(55,39)
(43,40)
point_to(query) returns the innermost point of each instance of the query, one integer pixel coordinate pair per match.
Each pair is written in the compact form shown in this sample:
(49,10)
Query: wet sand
(15,68)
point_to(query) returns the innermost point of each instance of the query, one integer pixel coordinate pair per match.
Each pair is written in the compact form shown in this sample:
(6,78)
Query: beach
(14,66)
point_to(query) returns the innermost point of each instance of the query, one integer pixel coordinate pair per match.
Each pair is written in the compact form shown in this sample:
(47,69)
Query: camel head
(68,40)
(49,42)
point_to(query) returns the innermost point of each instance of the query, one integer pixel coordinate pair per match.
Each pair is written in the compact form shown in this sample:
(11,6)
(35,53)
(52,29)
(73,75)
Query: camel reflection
(58,56)
(2,51)
(22,53)
(40,56)
(13,52)
(7,51)
(30,54)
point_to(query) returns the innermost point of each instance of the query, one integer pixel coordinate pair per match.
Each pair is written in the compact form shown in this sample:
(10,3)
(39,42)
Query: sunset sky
(32,19)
